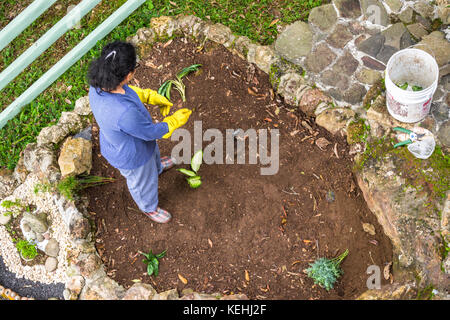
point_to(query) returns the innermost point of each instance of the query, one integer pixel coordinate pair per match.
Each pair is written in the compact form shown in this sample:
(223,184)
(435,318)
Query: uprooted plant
(71,185)
(193,179)
(326,272)
(165,88)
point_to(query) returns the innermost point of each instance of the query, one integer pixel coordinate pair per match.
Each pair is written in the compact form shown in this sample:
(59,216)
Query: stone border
(86,278)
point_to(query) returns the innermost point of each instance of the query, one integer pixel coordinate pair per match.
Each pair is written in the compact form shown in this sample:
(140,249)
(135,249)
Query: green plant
(70,186)
(152,262)
(164,90)
(326,272)
(27,249)
(193,179)
(8,204)
(42,187)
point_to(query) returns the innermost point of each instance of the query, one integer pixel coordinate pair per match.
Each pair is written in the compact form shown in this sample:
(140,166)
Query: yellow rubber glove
(152,97)
(179,118)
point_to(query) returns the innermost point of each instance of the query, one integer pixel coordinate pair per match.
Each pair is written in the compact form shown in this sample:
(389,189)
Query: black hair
(117,60)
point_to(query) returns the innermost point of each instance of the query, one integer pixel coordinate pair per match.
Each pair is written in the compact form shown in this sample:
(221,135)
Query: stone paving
(345,46)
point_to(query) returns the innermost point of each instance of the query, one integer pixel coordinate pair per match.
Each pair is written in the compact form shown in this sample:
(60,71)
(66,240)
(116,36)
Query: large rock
(70,122)
(425,9)
(436,44)
(394,36)
(41,161)
(219,33)
(401,211)
(324,17)
(369,76)
(355,94)
(52,248)
(311,99)
(52,134)
(372,46)
(394,5)
(82,106)
(51,264)
(348,8)
(417,31)
(391,292)
(295,42)
(444,134)
(340,36)
(164,26)
(320,58)
(262,56)
(75,157)
(7,183)
(37,222)
(167,295)
(335,119)
(406,16)
(346,64)
(103,288)
(140,291)
(292,87)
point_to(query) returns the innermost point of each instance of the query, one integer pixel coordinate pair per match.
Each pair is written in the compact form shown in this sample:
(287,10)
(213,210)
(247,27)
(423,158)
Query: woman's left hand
(152,97)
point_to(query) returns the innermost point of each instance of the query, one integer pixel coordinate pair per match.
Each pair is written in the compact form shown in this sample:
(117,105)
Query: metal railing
(65,24)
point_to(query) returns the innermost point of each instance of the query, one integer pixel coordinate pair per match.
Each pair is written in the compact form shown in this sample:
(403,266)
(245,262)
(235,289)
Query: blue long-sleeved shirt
(127,132)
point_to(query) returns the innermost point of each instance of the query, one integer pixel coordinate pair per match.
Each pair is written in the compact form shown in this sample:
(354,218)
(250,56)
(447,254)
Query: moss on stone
(429,176)
(357,131)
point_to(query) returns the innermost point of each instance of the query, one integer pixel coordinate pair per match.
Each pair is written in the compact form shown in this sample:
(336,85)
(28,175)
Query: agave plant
(193,179)
(326,272)
(165,88)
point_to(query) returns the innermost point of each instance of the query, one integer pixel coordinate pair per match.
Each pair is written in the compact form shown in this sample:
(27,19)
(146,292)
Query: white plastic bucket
(416,67)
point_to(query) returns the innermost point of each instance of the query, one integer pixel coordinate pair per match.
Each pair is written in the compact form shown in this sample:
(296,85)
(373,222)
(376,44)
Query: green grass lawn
(254,19)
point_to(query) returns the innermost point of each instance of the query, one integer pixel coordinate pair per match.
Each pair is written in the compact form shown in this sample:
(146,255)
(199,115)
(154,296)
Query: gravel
(28,288)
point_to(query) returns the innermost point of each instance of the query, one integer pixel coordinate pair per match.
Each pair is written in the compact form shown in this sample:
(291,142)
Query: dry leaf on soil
(183,279)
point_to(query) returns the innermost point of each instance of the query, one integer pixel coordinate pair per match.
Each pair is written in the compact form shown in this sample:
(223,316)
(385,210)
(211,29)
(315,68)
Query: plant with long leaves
(152,262)
(193,179)
(70,185)
(165,88)
(326,272)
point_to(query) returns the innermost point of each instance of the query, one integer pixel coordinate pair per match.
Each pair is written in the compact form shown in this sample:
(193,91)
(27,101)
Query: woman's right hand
(178,119)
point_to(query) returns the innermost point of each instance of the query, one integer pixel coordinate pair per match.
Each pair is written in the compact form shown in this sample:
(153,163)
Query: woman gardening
(127,133)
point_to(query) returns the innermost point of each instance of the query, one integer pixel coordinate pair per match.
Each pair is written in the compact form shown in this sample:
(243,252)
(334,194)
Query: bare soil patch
(240,231)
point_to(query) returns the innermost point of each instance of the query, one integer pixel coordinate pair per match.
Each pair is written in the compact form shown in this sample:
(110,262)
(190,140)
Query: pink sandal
(167,163)
(160,215)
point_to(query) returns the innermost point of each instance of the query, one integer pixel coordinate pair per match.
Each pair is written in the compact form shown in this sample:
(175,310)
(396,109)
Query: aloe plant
(193,179)
(164,89)
(326,272)
(152,262)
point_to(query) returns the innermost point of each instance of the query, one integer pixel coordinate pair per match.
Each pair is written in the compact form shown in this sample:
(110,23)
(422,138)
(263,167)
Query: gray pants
(143,182)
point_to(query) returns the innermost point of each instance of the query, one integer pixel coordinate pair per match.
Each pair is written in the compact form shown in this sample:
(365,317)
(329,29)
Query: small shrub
(326,272)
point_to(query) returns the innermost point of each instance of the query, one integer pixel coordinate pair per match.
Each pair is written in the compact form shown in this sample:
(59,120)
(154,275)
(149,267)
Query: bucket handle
(425,45)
